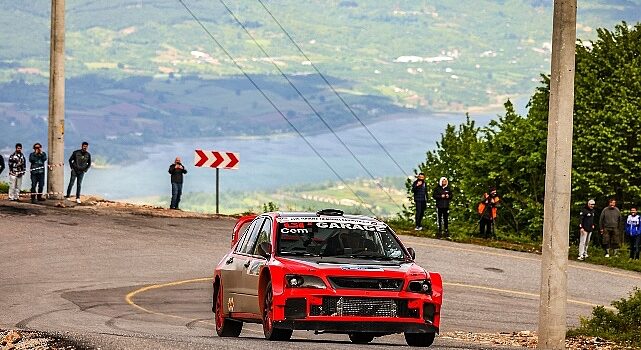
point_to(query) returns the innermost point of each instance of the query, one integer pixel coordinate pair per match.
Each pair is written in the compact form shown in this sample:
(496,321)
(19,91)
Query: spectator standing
(419,188)
(586,227)
(1,163)
(37,160)
(633,229)
(80,162)
(609,222)
(17,167)
(177,170)
(443,196)
(487,209)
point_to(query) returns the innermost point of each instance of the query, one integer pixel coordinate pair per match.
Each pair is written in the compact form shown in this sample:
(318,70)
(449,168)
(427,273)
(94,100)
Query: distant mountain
(144,71)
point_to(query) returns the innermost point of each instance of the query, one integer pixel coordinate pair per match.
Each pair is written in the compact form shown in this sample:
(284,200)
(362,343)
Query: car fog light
(425,288)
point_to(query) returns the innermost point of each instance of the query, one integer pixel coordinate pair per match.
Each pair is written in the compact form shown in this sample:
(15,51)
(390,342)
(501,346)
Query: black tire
(361,338)
(270,332)
(225,327)
(420,339)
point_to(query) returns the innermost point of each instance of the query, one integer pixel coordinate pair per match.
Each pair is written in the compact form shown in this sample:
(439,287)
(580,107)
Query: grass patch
(622,325)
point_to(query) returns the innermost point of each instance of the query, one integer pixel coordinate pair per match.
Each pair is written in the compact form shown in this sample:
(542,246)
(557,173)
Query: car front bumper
(347,311)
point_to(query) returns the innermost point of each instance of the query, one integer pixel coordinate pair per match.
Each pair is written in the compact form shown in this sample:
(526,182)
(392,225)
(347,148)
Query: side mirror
(412,253)
(265,250)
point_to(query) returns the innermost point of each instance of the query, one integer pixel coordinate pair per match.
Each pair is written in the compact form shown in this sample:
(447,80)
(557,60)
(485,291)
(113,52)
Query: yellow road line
(573,265)
(129,298)
(527,294)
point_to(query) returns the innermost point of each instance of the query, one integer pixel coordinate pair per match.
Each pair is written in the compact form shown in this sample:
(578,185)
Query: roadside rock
(11,338)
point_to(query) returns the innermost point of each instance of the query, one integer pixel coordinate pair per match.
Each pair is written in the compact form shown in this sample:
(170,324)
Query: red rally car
(327,272)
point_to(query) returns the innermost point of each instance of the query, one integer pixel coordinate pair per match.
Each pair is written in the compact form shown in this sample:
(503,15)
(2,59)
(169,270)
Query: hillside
(143,71)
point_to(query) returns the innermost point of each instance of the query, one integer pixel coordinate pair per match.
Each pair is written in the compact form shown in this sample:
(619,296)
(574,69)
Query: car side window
(265,235)
(243,238)
(252,235)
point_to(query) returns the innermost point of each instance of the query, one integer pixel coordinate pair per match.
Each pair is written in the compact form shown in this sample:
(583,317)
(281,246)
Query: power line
(340,140)
(349,108)
(193,15)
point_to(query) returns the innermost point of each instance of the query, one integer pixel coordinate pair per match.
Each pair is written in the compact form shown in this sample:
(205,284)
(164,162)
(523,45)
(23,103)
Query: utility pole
(56,146)
(556,219)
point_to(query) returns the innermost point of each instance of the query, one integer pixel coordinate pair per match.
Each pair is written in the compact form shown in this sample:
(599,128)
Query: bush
(4,187)
(622,325)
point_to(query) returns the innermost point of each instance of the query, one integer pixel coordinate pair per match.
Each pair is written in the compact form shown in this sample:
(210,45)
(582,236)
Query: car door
(251,277)
(243,295)
(234,267)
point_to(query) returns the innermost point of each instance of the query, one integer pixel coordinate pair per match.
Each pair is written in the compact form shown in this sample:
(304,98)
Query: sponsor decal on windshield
(307,227)
(333,222)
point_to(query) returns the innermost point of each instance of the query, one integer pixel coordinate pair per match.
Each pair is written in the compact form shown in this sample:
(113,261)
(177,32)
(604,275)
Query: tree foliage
(510,152)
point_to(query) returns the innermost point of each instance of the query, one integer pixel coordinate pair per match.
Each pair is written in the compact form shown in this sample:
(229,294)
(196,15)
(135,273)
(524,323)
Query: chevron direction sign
(216,159)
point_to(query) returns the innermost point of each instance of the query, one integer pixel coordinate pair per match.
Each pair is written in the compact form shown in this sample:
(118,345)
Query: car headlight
(304,281)
(420,286)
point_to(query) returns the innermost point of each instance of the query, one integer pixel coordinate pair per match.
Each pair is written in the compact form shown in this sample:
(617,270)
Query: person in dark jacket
(586,226)
(177,170)
(80,162)
(1,163)
(610,221)
(17,168)
(37,160)
(633,230)
(420,199)
(443,195)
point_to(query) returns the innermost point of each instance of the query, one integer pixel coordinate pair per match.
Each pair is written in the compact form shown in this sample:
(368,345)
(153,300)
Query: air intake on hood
(366,283)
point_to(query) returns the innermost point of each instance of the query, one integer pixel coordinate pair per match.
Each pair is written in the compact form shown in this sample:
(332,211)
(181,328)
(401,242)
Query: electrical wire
(340,140)
(193,15)
(349,108)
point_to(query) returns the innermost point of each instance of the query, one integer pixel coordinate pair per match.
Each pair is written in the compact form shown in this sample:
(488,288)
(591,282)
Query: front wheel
(419,339)
(361,338)
(225,327)
(270,332)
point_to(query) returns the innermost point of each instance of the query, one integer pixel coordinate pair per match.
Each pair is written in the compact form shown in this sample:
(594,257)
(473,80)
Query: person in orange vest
(487,210)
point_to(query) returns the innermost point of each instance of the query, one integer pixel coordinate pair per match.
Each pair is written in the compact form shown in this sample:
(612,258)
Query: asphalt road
(117,280)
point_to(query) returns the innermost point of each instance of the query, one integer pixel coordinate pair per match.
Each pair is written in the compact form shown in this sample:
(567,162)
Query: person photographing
(176,170)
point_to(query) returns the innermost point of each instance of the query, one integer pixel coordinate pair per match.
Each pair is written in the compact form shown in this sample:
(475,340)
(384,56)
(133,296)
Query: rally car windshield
(361,240)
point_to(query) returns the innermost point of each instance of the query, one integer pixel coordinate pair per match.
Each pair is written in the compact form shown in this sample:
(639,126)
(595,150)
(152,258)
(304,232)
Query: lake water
(279,161)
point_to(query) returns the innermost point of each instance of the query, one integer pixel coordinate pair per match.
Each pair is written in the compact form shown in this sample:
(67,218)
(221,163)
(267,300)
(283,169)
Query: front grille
(364,307)
(366,283)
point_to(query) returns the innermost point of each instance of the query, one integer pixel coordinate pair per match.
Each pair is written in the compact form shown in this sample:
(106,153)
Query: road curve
(118,280)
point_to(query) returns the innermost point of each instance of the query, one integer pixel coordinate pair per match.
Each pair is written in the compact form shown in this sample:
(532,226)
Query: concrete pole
(556,220)
(56,144)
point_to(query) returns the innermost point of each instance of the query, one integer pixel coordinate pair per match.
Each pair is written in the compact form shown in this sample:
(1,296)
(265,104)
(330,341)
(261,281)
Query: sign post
(218,160)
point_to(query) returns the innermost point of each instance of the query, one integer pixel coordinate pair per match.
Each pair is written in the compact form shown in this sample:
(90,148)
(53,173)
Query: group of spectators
(610,222)
(442,195)
(80,162)
(610,219)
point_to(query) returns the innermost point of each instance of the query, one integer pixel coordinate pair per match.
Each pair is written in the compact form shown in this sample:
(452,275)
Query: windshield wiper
(293,253)
(366,256)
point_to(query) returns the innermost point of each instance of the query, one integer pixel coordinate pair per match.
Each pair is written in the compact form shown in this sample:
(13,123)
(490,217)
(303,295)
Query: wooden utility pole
(556,220)
(56,146)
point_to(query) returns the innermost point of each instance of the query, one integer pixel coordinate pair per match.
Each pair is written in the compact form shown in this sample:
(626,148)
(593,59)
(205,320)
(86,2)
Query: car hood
(351,266)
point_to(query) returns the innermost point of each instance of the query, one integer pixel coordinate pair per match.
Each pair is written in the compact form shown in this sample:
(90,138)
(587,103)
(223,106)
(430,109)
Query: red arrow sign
(216,159)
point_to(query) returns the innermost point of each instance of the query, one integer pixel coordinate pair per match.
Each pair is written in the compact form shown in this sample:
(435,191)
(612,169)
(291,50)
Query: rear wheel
(225,327)
(361,338)
(270,332)
(419,339)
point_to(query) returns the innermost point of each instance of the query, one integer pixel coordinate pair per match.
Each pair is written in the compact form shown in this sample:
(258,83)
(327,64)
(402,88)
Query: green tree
(510,152)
